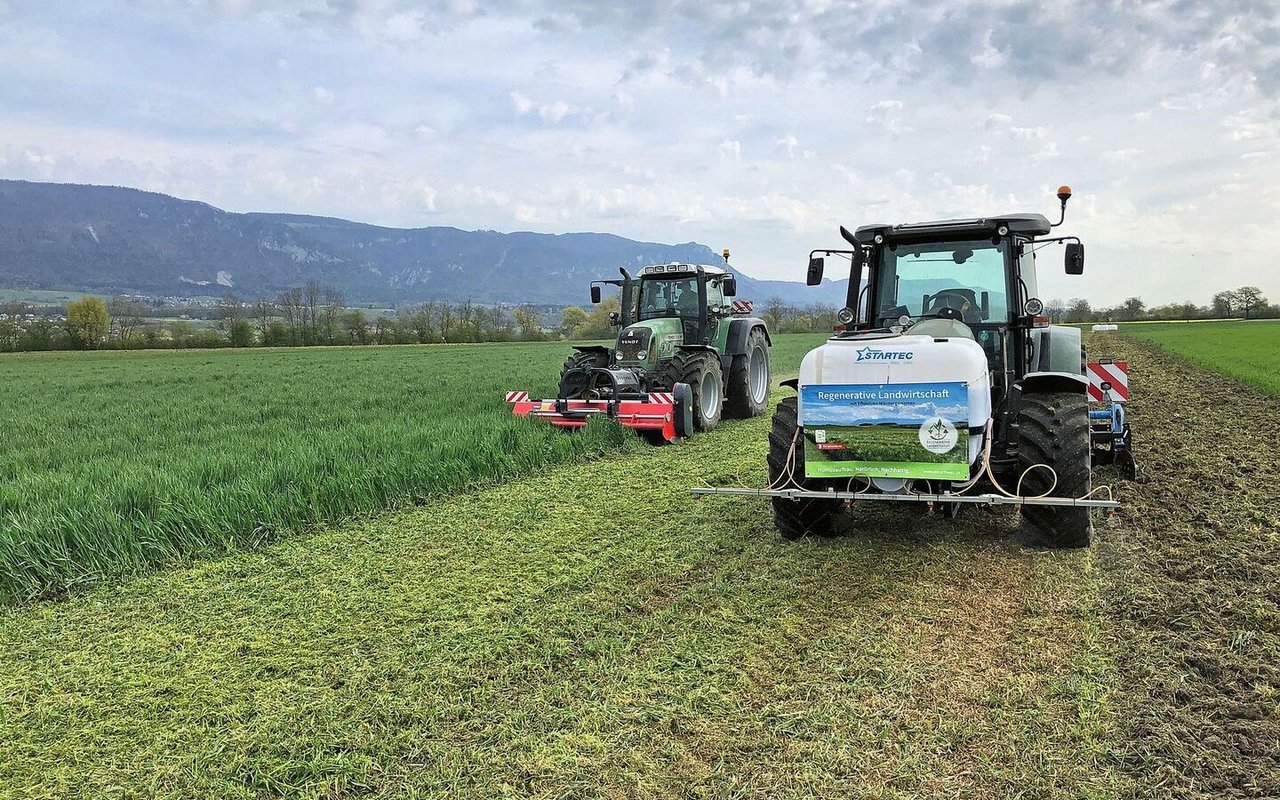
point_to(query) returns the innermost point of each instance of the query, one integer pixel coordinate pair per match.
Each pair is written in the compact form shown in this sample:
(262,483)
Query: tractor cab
(667,306)
(961,279)
(952,279)
(692,299)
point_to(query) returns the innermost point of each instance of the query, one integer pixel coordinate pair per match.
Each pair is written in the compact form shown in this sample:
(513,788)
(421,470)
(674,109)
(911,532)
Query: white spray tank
(894,407)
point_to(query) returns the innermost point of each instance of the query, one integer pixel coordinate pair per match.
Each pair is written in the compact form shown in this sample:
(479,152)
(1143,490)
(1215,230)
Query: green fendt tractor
(686,353)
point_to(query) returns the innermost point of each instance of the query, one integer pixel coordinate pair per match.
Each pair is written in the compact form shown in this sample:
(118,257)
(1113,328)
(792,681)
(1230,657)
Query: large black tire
(749,379)
(1053,429)
(701,370)
(795,518)
(574,387)
(589,358)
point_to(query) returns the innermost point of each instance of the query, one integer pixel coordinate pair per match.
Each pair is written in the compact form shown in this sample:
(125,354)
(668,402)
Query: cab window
(676,296)
(923,279)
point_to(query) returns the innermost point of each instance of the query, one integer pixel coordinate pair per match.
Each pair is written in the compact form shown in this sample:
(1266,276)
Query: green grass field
(589,629)
(40,296)
(120,462)
(1249,351)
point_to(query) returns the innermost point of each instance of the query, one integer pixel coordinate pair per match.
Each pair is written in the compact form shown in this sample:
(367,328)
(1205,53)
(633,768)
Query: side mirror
(729,286)
(1074,259)
(814,276)
(595,294)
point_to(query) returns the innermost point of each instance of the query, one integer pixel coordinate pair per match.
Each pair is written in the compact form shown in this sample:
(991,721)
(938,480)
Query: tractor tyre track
(1191,577)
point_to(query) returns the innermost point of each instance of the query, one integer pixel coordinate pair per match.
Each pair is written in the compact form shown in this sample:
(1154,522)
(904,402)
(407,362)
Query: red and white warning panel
(743,306)
(1115,373)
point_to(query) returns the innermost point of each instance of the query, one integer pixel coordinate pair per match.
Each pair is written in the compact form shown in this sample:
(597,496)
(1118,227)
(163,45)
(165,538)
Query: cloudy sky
(753,125)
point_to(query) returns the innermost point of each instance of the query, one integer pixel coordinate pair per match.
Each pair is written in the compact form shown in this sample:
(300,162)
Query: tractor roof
(678,269)
(1026,224)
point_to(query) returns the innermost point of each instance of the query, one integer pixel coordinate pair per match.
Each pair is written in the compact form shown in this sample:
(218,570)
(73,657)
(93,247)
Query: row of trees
(308,315)
(1247,302)
(317,315)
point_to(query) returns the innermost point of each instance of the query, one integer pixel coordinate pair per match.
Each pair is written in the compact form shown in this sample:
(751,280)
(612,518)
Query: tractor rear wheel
(749,379)
(1053,429)
(794,518)
(701,370)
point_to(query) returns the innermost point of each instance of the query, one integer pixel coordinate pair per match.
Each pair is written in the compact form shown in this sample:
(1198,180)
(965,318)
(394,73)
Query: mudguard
(1041,382)
(1058,350)
(740,329)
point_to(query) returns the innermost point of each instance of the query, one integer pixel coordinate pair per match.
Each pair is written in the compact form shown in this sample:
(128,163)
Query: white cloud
(1123,156)
(554,112)
(635,119)
(990,56)
(522,104)
(404,26)
(888,115)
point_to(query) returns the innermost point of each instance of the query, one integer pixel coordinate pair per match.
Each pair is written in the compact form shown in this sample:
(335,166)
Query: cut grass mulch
(593,631)
(1191,581)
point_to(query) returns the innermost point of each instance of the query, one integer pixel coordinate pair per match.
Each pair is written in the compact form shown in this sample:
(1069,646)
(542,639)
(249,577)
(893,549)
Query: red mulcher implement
(659,412)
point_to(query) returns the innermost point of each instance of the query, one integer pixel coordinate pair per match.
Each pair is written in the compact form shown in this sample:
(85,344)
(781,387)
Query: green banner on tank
(909,430)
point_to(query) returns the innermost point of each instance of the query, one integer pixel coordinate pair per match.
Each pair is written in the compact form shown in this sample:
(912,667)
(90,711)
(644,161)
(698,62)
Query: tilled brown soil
(1191,580)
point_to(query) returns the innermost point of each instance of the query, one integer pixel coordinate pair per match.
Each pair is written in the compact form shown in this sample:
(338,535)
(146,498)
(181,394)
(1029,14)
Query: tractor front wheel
(795,518)
(700,369)
(585,358)
(749,379)
(1053,430)
(574,375)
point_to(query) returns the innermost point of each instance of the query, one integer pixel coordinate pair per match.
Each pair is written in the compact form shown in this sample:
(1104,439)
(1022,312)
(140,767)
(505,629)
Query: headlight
(642,355)
(1034,306)
(845,315)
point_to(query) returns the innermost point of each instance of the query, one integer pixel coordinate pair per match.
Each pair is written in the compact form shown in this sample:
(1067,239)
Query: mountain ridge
(121,240)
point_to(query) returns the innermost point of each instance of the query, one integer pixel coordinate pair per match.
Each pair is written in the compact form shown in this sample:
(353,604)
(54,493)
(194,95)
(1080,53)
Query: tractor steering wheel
(948,304)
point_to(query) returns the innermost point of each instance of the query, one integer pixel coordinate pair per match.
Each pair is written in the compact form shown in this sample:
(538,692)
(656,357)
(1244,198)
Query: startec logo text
(872,354)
